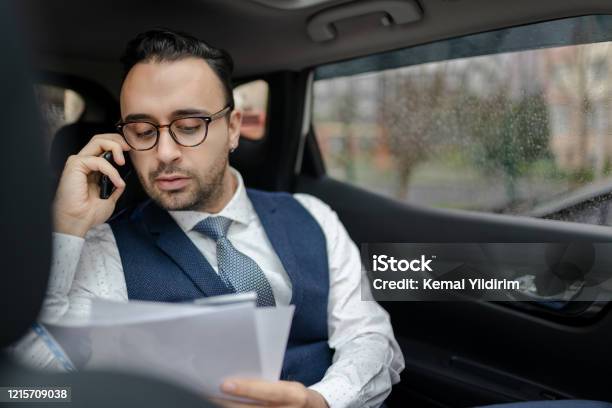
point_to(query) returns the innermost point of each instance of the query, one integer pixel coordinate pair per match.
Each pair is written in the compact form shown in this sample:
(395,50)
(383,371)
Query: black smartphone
(106,185)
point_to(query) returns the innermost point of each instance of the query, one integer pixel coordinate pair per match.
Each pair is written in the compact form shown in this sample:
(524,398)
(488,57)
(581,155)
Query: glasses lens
(140,135)
(189,131)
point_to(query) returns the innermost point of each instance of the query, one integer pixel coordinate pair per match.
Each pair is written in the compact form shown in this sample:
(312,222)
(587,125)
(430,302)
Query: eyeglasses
(188,131)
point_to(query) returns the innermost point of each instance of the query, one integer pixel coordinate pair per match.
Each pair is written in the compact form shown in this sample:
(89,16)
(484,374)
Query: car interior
(457,354)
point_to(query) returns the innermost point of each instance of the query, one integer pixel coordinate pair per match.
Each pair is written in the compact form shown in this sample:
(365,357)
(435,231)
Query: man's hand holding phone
(77,206)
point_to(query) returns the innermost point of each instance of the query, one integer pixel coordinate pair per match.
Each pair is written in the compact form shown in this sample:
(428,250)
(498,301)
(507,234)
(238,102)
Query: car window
(251,99)
(514,121)
(58,106)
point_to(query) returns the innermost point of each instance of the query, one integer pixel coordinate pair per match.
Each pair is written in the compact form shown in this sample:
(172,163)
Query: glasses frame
(207,119)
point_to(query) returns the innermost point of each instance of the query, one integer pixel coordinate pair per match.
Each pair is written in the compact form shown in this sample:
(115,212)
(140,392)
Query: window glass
(514,121)
(252,99)
(59,107)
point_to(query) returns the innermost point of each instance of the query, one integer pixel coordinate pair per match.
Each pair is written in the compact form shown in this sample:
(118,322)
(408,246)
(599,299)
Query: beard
(201,193)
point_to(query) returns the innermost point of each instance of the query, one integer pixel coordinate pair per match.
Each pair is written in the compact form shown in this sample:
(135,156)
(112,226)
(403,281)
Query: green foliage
(581,176)
(509,134)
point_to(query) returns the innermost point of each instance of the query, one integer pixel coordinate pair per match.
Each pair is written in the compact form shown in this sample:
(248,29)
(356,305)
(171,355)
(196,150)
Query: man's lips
(171,182)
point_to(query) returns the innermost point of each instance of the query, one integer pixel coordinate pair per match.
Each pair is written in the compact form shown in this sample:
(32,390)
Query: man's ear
(235,120)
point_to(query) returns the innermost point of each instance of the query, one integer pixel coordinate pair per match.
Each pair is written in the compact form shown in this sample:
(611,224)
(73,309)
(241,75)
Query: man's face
(177,177)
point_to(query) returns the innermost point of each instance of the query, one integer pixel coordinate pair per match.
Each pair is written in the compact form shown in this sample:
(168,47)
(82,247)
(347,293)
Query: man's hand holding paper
(287,394)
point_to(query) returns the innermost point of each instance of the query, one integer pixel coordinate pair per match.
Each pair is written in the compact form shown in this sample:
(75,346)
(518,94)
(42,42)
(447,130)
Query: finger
(91,164)
(100,145)
(106,142)
(277,391)
(117,193)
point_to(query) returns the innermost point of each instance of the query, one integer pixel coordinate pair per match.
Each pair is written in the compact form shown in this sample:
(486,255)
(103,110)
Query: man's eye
(140,130)
(146,133)
(189,128)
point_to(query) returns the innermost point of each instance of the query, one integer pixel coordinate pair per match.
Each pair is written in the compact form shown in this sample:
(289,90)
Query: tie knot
(213,227)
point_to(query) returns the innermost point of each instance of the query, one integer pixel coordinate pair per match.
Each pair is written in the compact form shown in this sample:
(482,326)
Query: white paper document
(197,346)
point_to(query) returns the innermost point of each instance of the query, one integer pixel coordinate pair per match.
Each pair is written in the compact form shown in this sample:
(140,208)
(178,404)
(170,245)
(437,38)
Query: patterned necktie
(235,268)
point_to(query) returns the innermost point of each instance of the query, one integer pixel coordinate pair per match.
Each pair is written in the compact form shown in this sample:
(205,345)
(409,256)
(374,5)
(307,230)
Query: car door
(475,139)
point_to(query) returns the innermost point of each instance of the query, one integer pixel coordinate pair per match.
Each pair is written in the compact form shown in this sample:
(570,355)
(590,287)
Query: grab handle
(321,26)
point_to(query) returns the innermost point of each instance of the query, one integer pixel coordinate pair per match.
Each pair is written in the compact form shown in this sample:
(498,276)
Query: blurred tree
(508,133)
(410,104)
(346,112)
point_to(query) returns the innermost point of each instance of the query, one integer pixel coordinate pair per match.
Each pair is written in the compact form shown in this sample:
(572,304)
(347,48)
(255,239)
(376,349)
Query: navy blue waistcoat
(161,264)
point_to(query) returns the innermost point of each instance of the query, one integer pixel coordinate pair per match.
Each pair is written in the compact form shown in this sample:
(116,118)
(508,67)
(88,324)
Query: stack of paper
(197,346)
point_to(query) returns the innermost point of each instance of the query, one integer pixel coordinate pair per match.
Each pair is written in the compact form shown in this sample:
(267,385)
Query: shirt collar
(238,209)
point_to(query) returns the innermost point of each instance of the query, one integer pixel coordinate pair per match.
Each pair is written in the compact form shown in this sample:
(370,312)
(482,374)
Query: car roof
(87,37)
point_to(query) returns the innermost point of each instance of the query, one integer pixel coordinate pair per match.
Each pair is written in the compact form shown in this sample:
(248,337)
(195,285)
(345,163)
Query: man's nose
(167,149)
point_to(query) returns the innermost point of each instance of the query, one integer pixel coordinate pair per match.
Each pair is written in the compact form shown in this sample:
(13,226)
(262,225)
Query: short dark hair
(161,45)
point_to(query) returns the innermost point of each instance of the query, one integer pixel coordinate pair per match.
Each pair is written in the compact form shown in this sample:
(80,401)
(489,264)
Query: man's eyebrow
(133,117)
(190,111)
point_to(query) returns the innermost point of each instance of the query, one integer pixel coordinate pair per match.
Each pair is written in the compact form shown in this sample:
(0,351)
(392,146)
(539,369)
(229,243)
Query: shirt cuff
(64,261)
(32,352)
(338,392)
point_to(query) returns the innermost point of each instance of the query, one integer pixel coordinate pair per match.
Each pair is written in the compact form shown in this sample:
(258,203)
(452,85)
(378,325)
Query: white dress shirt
(367,359)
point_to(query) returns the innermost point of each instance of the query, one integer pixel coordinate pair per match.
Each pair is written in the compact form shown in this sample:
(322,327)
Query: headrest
(25,230)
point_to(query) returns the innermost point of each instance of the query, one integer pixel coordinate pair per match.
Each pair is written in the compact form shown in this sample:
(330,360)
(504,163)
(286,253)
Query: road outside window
(515,121)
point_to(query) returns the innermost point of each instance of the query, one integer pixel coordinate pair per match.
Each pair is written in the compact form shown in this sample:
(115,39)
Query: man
(203,233)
